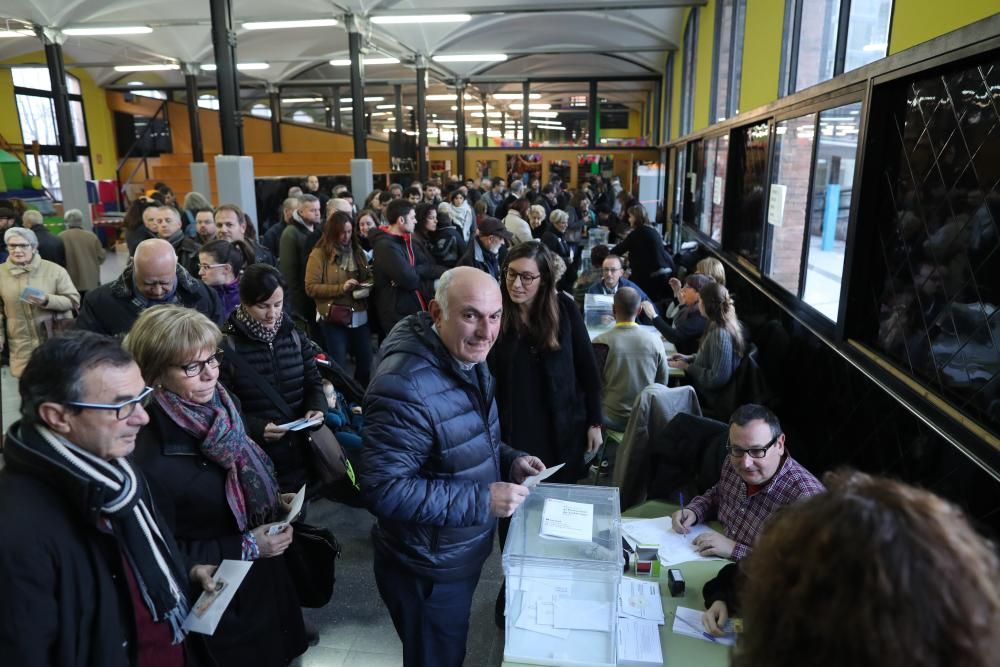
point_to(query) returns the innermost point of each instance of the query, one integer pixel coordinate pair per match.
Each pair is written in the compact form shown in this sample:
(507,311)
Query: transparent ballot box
(597,311)
(563,564)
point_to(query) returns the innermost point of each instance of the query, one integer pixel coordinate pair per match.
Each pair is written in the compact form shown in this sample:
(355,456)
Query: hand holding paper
(535,480)
(209,607)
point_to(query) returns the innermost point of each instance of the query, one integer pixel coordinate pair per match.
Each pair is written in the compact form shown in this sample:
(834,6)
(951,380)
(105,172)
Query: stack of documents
(674,547)
(547,608)
(640,615)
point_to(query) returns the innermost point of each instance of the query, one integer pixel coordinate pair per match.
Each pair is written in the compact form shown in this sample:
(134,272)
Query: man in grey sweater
(636,359)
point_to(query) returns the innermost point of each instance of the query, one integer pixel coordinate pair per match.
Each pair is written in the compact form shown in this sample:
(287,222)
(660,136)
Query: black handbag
(311,559)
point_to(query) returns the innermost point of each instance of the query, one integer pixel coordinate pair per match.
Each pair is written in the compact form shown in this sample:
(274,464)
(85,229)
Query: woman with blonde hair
(722,346)
(216,487)
(712,268)
(36,297)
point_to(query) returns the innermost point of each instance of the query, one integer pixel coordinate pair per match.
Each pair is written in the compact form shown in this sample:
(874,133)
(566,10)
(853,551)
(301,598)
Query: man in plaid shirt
(759,478)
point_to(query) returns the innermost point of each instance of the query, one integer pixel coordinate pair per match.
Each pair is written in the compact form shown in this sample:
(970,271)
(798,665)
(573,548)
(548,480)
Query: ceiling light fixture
(276,25)
(393,106)
(300,100)
(16,33)
(348,100)
(345,62)
(470,58)
(164,67)
(110,30)
(542,106)
(446,97)
(422,18)
(136,83)
(211,67)
(516,96)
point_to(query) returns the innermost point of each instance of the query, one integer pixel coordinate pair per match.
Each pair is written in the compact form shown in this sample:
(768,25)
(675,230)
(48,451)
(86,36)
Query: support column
(357,87)
(503,124)
(274,99)
(328,112)
(191,86)
(460,130)
(52,39)
(338,123)
(594,112)
(224,46)
(397,92)
(657,111)
(421,110)
(525,126)
(486,125)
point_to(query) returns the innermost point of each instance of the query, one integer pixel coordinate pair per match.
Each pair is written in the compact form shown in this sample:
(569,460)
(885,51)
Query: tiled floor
(355,628)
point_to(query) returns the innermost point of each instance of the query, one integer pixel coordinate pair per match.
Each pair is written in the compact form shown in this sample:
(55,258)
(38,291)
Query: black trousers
(431,617)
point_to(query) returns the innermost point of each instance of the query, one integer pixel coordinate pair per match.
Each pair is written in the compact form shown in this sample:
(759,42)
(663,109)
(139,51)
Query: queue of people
(180,454)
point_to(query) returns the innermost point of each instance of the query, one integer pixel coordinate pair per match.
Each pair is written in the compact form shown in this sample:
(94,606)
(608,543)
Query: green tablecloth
(678,650)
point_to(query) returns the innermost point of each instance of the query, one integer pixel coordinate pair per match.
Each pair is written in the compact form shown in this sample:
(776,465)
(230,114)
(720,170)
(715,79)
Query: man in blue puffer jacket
(434,465)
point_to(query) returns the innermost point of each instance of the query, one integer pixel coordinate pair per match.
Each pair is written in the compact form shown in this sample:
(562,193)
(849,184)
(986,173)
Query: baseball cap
(493,227)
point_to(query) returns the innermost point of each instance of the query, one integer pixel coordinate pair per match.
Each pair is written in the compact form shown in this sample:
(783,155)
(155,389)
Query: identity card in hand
(209,607)
(300,424)
(534,480)
(297,502)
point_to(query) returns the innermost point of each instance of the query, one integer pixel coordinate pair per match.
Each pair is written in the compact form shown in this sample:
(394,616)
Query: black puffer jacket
(288,365)
(400,273)
(431,450)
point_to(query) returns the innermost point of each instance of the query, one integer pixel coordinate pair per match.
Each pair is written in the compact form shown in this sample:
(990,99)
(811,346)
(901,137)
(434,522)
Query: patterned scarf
(122,502)
(256,329)
(345,258)
(251,485)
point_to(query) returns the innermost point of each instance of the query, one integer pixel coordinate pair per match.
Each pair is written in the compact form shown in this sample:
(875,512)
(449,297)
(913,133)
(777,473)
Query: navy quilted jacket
(431,449)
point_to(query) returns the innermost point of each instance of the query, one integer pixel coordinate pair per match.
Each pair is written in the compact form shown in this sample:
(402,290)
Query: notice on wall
(776,204)
(717,191)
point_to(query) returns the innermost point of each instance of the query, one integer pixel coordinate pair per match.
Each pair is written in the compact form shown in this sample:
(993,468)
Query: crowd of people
(451,313)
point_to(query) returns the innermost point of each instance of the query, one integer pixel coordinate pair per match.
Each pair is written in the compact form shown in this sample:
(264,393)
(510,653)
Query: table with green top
(679,650)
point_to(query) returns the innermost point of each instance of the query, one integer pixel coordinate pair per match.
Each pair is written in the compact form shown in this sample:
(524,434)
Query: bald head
(155,268)
(338,204)
(466,311)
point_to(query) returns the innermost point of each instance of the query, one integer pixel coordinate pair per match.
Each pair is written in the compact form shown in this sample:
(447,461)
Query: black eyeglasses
(526,278)
(196,368)
(754,452)
(122,410)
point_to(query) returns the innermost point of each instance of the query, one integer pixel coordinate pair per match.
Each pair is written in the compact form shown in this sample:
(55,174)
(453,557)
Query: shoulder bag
(311,559)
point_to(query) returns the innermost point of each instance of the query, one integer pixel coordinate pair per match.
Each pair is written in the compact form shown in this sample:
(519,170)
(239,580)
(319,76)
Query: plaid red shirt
(742,516)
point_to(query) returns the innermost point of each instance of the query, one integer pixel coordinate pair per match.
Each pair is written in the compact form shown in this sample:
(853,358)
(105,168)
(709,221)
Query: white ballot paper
(687,622)
(297,502)
(573,614)
(534,480)
(639,642)
(567,520)
(208,609)
(674,547)
(538,615)
(300,424)
(640,599)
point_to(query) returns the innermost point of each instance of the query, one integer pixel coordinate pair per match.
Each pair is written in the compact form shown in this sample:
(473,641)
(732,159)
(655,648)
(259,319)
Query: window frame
(689,71)
(791,43)
(737,26)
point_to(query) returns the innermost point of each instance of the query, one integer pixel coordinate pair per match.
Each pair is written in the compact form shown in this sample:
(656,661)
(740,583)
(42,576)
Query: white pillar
(234,178)
(73,185)
(200,182)
(361,179)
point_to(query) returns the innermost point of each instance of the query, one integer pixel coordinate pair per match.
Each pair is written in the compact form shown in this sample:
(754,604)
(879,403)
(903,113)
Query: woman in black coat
(554,239)
(215,487)
(647,256)
(264,349)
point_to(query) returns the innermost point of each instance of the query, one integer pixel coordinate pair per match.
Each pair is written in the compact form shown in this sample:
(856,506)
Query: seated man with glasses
(758,478)
(89,572)
(612,279)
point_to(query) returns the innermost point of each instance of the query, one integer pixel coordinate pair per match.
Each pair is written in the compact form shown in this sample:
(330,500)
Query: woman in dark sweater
(651,265)
(688,324)
(220,264)
(272,353)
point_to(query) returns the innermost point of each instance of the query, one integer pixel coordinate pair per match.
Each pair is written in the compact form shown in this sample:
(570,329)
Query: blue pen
(682,513)
(694,627)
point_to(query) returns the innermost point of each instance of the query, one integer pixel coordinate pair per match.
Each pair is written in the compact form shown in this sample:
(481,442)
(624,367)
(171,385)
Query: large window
(747,191)
(728,60)
(824,38)
(713,190)
(688,70)
(37,116)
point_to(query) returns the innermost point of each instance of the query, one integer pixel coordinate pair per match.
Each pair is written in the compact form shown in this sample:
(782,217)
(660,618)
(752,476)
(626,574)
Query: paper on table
(208,609)
(639,641)
(297,502)
(640,599)
(300,424)
(674,547)
(582,614)
(535,480)
(568,520)
(687,622)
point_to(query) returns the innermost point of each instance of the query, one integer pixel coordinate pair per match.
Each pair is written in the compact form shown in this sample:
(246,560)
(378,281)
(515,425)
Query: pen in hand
(682,515)
(696,628)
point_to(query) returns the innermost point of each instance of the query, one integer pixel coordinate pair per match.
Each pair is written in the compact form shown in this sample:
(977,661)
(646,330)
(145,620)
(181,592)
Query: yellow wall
(761,53)
(633,130)
(916,21)
(100,130)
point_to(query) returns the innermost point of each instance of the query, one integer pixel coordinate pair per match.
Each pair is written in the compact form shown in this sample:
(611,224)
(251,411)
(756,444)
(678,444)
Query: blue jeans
(357,341)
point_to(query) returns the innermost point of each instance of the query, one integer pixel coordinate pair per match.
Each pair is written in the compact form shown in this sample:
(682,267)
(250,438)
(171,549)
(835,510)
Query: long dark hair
(543,318)
(721,314)
(237,254)
(333,228)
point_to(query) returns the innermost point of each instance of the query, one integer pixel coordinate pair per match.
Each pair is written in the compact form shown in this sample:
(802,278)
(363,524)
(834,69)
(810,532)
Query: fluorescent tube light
(277,25)
(516,96)
(109,30)
(470,57)
(211,67)
(345,62)
(423,18)
(348,100)
(541,106)
(300,100)
(163,67)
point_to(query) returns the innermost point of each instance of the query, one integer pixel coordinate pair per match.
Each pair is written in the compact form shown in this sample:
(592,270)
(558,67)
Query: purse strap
(245,368)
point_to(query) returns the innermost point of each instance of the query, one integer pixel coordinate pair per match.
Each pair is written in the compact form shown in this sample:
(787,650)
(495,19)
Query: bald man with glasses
(758,477)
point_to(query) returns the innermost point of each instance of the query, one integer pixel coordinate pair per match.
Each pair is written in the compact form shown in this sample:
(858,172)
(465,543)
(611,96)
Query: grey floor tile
(320,656)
